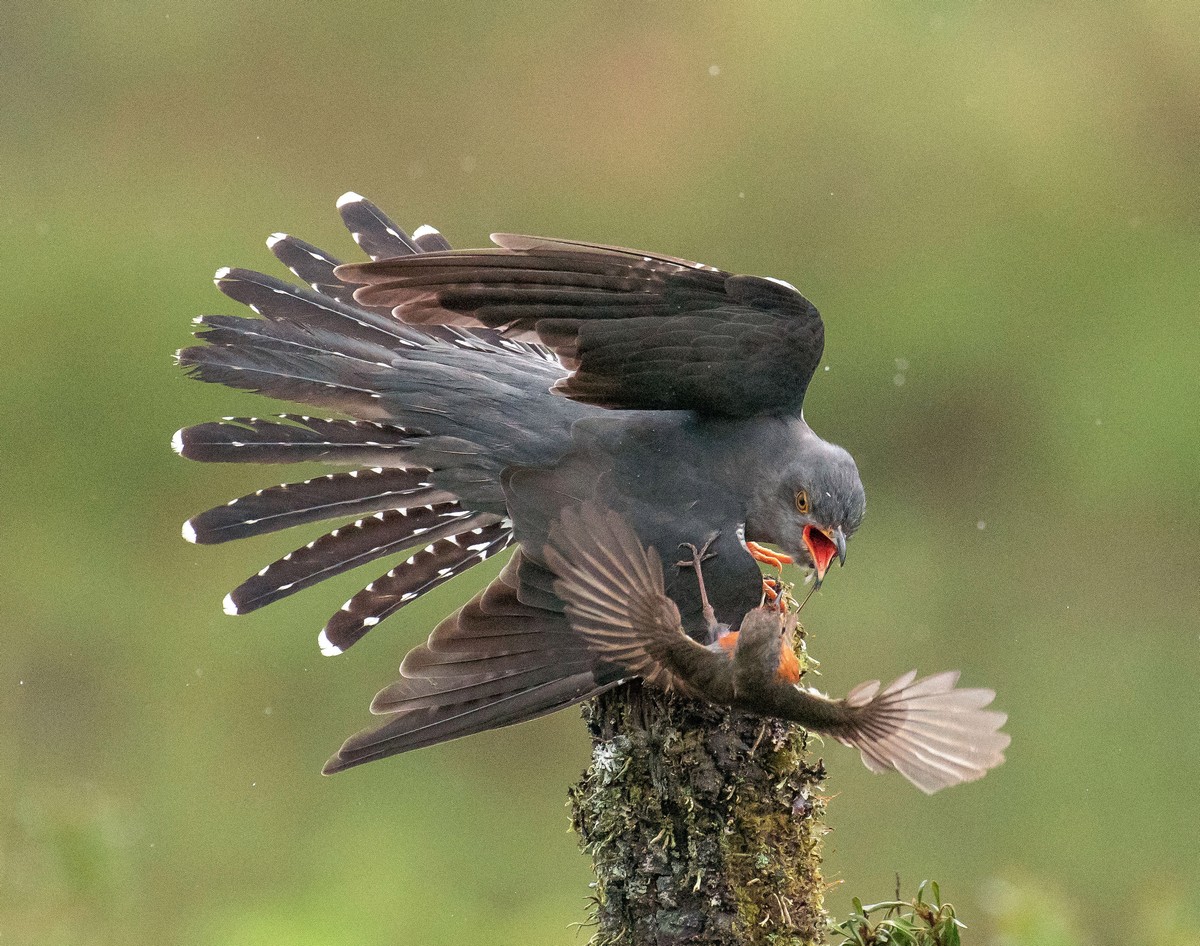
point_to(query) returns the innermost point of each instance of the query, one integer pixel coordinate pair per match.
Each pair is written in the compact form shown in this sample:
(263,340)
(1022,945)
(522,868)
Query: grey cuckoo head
(812,505)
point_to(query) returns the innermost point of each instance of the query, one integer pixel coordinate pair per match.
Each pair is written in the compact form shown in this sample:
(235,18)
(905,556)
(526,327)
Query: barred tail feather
(294,438)
(311,264)
(279,301)
(316,268)
(355,493)
(384,533)
(430,240)
(314,344)
(326,380)
(232,331)
(422,572)
(930,732)
(375,234)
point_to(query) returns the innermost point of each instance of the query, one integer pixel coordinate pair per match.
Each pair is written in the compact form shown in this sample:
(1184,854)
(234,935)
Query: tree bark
(704,825)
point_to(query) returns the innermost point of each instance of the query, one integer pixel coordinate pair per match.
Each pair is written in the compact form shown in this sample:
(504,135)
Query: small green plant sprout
(900,923)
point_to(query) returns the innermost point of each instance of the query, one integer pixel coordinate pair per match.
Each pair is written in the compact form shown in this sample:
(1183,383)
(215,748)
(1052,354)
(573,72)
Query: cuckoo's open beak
(822,546)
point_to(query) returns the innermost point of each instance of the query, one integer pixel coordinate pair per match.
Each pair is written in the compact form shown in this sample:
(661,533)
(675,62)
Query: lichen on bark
(704,825)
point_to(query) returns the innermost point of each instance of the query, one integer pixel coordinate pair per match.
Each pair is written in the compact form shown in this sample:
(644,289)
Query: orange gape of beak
(822,548)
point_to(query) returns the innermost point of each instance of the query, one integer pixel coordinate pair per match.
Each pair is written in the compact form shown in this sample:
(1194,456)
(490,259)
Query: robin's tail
(927,730)
(493,663)
(431,417)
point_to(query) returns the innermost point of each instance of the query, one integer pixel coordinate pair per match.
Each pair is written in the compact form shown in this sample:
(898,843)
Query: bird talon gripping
(701,554)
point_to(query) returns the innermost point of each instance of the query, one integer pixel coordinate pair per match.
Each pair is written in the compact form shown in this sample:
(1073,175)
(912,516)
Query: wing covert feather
(637,330)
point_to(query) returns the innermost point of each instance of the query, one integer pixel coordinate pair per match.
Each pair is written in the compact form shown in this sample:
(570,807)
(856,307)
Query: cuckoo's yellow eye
(802,502)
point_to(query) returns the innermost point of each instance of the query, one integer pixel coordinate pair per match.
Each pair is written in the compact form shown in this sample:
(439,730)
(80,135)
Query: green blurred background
(997,208)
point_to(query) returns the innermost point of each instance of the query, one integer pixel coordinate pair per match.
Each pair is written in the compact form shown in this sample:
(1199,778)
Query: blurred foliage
(1027,912)
(997,208)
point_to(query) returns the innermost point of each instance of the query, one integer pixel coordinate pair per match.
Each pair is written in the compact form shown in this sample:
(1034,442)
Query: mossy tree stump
(704,825)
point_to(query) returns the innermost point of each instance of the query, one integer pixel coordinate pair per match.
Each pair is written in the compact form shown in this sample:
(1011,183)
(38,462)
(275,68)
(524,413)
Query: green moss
(774,849)
(704,826)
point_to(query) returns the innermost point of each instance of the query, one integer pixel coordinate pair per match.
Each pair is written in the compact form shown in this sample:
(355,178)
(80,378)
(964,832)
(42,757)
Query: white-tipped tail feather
(328,648)
(930,732)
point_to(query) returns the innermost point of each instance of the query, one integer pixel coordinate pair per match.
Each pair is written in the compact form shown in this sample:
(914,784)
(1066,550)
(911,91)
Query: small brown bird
(930,732)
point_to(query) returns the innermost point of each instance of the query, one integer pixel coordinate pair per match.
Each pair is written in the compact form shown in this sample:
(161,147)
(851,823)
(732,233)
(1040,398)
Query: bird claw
(702,554)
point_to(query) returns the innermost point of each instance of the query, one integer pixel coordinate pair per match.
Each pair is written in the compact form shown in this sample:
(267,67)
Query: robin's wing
(614,596)
(636,330)
(931,731)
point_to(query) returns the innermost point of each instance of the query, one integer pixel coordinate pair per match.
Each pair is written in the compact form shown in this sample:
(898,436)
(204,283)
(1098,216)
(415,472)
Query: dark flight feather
(462,716)
(447,700)
(637,330)
(410,694)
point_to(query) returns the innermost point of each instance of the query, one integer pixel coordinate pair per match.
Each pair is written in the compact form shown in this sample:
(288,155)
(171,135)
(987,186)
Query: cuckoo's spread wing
(614,596)
(636,330)
(494,662)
